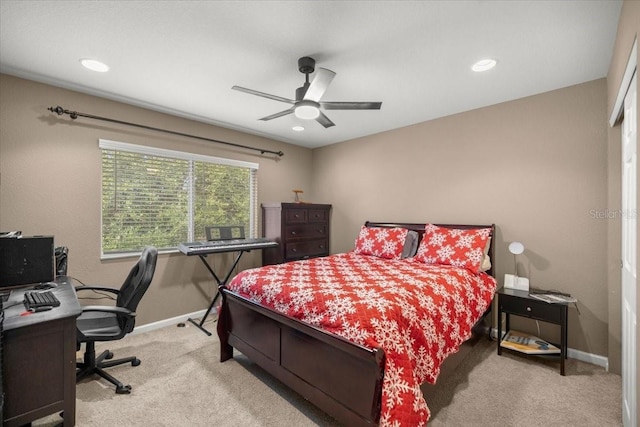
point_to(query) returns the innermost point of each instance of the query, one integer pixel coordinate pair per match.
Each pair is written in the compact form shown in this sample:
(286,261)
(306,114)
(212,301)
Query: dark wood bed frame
(341,378)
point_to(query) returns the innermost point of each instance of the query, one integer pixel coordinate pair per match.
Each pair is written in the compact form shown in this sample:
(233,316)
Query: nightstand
(519,303)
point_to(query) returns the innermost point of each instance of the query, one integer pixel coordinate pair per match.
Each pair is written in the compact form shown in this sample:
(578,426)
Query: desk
(43,344)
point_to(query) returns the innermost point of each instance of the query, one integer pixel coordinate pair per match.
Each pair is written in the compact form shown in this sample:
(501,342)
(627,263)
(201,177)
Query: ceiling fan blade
(351,105)
(324,120)
(262,94)
(276,115)
(319,84)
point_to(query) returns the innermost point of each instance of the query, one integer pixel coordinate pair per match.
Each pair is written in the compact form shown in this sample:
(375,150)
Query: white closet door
(629,259)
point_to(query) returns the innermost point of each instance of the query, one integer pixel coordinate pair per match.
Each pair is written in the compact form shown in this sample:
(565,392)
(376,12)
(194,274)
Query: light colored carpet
(181,383)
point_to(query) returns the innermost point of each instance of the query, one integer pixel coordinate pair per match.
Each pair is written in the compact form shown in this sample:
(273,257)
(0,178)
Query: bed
(357,333)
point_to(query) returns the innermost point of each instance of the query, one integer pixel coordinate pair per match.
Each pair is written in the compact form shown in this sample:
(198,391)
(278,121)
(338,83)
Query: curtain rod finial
(58,110)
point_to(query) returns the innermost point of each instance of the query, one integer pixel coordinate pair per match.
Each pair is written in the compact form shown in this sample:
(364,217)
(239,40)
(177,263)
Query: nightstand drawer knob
(293,233)
(528,308)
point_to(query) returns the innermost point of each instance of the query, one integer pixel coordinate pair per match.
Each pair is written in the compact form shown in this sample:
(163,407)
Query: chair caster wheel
(135,362)
(125,389)
(109,355)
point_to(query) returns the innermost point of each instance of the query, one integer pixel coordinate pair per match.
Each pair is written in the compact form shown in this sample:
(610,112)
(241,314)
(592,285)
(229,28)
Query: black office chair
(110,323)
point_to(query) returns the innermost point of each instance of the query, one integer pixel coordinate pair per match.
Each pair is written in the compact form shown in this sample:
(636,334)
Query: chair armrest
(109,309)
(98,288)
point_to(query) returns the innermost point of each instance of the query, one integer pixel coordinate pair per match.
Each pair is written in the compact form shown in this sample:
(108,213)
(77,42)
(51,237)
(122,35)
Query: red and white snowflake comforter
(418,313)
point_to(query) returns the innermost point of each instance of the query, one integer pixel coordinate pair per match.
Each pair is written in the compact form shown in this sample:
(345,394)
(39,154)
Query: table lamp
(512,281)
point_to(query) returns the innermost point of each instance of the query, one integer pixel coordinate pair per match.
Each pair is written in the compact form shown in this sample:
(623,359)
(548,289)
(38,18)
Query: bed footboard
(339,377)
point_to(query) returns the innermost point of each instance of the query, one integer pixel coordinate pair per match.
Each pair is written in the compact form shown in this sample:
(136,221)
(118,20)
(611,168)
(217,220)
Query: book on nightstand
(553,297)
(526,343)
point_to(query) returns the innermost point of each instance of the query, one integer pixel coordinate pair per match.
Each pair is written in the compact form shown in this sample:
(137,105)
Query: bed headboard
(420,229)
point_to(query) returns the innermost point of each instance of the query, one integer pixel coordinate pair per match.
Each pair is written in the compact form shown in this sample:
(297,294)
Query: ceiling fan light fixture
(484,65)
(307,110)
(306,105)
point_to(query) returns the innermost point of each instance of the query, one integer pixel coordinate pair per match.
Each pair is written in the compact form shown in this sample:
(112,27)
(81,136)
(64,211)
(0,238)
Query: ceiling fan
(307,104)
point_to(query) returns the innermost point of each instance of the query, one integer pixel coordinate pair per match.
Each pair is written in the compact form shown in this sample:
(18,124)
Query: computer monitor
(26,260)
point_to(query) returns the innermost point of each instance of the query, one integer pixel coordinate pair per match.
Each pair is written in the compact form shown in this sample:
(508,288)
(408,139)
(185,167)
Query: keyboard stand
(220,283)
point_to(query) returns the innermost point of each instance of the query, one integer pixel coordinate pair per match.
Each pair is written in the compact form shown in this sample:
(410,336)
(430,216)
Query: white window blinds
(159,197)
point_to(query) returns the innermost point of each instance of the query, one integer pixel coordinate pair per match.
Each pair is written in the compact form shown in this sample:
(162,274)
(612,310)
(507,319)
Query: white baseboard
(582,356)
(594,359)
(168,322)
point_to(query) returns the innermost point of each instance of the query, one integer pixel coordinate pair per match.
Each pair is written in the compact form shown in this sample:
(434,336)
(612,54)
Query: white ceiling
(183,57)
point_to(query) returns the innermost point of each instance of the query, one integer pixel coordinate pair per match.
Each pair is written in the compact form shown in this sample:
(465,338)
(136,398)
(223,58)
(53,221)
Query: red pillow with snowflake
(381,242)
(453,246)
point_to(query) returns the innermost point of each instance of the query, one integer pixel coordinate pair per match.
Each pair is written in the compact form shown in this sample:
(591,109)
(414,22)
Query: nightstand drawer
(307,249)
(533,309)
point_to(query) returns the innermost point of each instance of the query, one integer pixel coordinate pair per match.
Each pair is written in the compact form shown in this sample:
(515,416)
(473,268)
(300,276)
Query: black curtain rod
(74,115)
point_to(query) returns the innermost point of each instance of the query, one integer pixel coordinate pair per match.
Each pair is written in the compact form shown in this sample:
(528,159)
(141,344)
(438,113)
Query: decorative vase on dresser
(301,229)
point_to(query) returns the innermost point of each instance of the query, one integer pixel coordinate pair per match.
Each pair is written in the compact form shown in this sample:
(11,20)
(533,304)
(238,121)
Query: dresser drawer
(307,249)
(296,216)
(318,215)
(533,309)
(305,232)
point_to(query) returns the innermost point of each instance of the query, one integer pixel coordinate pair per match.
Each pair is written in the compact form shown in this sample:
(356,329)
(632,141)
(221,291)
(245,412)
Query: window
(158,197)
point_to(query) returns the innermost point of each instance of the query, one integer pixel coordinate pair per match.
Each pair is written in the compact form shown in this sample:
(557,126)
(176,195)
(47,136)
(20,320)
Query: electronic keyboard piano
(232,245)
(202,249)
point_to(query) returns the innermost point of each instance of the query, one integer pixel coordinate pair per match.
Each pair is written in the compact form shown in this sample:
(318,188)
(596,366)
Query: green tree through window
(161,197)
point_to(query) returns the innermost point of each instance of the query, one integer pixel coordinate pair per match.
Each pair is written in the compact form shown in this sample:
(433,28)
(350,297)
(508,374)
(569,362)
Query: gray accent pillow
(410,244)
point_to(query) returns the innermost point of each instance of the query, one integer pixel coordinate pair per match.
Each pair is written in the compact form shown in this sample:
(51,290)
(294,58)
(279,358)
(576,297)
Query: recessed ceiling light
(298,128)
(94,65)
(484,65)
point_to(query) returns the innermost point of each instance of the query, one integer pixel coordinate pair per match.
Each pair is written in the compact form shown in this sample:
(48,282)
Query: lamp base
(514,282)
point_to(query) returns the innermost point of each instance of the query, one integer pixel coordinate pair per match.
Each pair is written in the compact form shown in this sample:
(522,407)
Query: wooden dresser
(301,229)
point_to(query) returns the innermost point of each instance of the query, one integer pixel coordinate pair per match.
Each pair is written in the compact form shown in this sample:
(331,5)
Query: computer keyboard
(35,299)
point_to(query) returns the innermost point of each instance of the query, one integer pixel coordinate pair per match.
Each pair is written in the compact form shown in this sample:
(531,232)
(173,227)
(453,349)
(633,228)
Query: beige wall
(628,28)
(50,184)
(536,167)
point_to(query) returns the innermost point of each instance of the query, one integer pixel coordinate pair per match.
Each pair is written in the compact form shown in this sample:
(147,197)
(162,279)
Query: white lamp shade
(516,248)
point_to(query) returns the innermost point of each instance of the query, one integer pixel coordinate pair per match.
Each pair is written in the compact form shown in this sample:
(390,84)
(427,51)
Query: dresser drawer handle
(294,250)
(321,246)
(297,216)
(321,230)
(293,233)
(528,308)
